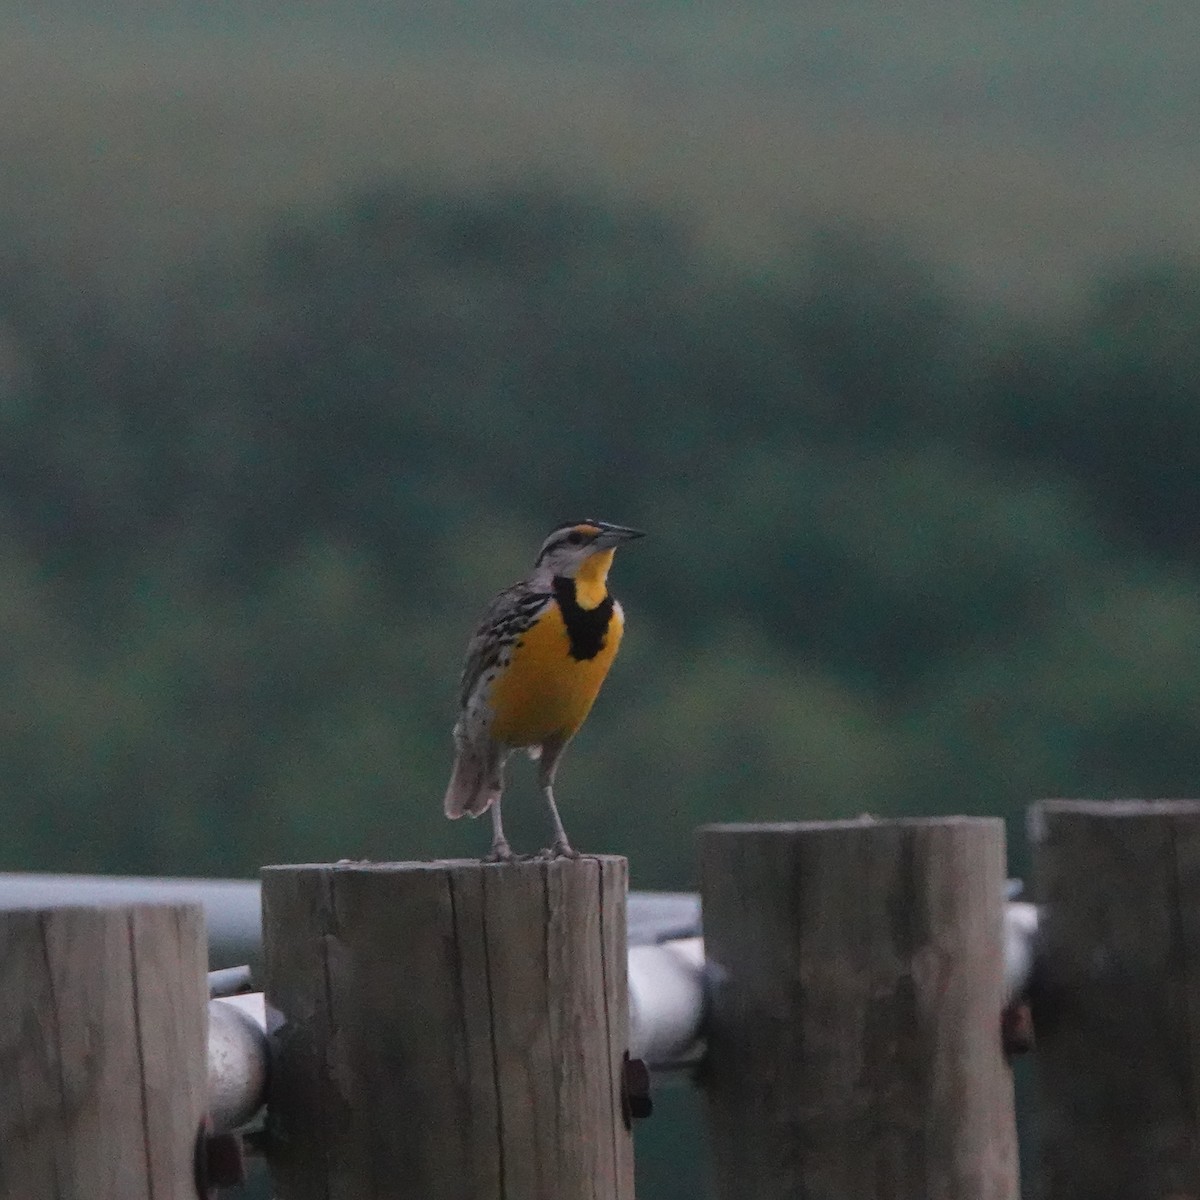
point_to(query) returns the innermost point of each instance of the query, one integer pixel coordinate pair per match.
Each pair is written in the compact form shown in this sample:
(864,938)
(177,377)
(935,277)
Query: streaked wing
(510,613)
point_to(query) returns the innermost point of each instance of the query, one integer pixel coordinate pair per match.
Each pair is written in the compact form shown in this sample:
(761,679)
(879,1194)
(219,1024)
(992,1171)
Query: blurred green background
(314,318)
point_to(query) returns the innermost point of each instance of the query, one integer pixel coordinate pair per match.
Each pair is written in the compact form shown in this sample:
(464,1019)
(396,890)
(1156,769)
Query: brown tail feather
(474,787)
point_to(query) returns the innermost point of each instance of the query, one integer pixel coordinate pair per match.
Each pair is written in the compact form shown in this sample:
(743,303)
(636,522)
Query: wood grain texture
(1117,999)
(448,1030)
(103,1019)
(854,1048)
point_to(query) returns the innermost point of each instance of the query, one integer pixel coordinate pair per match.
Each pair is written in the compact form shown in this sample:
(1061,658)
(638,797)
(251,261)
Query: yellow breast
(545,693)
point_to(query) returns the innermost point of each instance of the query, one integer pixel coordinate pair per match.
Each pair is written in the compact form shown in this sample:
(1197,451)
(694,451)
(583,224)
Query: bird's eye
(575,539)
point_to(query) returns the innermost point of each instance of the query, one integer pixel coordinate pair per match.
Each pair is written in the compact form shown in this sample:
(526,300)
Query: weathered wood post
(102,1052)
(855,1049)
(448,1030)
(1117,999)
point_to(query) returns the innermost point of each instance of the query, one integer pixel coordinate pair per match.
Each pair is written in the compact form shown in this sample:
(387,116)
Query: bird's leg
(562,848)
(501,851)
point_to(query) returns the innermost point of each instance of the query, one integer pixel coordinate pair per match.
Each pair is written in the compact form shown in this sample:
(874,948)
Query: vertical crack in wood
(460,1000)
(328,927)
(925,851)
(616,1118)
(555,979)
(898,907)
(43,934)
(487,972)
(791,864)
(141,1054)
(1180,929)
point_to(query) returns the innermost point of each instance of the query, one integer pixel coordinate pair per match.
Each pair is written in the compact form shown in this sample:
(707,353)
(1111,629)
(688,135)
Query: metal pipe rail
(233,907)
(238,1060)
(668,979)
(667,1004)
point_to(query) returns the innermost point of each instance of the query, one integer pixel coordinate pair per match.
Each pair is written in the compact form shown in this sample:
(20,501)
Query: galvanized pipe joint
(237,1060)
(667,1002)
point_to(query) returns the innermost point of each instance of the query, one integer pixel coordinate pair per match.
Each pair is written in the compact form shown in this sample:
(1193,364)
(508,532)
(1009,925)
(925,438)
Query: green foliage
(1111,401)
(903,557)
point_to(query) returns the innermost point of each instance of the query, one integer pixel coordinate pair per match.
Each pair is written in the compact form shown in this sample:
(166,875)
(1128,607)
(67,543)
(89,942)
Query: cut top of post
(846,824)
(1122,808)
(1045,812)
(433,865)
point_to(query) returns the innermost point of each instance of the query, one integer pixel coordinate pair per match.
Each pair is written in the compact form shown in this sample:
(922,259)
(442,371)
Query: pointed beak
(614,535)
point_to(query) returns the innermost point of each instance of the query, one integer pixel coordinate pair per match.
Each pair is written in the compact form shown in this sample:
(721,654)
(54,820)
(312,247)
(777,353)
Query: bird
(532,671)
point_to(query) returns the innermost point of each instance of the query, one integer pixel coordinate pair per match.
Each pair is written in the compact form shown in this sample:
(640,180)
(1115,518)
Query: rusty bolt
(636,1103)
(1016,1028)
(220,1161)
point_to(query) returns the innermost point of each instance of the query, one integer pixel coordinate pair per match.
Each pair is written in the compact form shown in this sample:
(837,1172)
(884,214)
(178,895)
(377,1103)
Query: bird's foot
(561,849)
(500,852)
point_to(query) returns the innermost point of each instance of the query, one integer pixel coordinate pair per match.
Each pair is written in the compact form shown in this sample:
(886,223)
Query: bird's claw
(501,852)
(558,850)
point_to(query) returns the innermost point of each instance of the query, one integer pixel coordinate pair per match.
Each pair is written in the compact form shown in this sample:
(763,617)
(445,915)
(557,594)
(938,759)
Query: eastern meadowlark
(532,671)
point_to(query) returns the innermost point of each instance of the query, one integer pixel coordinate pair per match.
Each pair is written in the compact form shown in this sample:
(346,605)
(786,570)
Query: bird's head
(582,550)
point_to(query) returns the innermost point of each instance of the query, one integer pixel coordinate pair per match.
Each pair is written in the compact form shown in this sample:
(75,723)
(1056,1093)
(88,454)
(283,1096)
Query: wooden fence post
(855,1049)
(1117,999)
(102,1052)
(448,1030)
